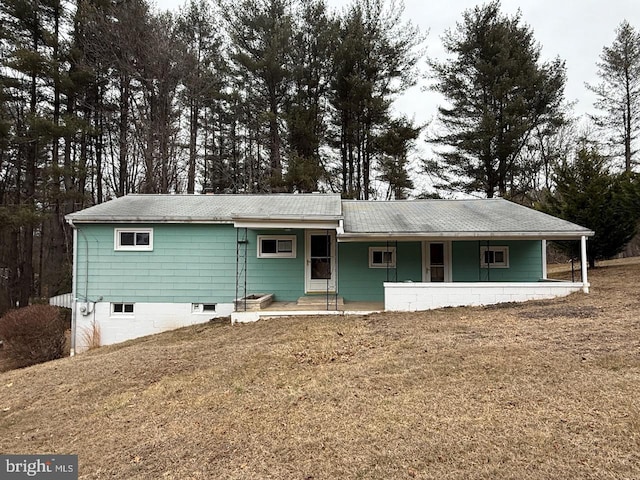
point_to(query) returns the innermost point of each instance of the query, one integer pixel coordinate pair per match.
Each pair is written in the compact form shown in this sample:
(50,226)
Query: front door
(436,262)
(320,261)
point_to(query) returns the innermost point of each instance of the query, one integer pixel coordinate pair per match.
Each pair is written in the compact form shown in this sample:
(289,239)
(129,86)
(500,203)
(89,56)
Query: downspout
(74,289)
(583,255)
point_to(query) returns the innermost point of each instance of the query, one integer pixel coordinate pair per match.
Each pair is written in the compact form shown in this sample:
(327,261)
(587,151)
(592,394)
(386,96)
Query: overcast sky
(574,30)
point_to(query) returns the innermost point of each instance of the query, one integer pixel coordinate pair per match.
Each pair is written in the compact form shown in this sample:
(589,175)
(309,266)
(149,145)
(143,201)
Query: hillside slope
(538,390)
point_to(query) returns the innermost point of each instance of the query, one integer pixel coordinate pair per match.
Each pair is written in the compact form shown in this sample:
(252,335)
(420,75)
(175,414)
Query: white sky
(574,30)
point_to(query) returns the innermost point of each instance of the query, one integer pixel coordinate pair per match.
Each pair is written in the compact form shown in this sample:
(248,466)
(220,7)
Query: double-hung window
(133,239)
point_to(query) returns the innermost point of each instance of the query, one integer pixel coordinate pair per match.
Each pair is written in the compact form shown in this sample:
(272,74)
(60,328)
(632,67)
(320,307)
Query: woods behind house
(103,98)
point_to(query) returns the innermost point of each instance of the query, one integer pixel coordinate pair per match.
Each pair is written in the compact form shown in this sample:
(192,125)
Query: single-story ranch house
(148,263)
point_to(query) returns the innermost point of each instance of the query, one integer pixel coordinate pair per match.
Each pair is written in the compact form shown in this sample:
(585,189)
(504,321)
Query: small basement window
(382,257)
(203,307)
(494,257)
(122,308)
(276,246)
(131,239)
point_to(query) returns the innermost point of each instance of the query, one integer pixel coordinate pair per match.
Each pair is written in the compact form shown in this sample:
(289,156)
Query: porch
(284,309)
(411,297)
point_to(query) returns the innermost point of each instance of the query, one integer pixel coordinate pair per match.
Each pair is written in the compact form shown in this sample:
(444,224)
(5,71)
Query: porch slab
(287,309)
(320,301)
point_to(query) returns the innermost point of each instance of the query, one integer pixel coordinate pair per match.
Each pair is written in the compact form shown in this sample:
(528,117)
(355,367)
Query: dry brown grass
(91,336)
(539,391)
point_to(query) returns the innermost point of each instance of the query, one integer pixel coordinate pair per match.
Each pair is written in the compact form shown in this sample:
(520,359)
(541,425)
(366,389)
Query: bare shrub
(34,334)
(91,336)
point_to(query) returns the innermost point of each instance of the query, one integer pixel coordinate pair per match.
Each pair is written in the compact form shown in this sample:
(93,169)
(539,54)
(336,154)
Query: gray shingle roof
(210,208)
(435,218)
(470,218)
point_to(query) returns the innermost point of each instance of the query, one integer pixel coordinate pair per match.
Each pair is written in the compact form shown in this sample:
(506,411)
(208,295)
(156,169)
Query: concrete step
(319,300)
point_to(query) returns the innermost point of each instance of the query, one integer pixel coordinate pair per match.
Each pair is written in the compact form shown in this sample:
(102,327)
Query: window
(203,307)
(133,239)
(122,308)
(382,257)
(494,257)
(276,246)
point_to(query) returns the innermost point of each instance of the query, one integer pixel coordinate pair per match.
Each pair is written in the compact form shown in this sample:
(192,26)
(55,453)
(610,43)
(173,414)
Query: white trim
(383,249)
(495,249)
(544,258)
(299,224)
(277,238)
(439,236)
(426,260)
(123,313)
(132,248)
(319,286)
(584,259)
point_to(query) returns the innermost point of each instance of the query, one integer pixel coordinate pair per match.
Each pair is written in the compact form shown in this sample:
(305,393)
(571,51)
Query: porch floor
(285,309)
(344,307)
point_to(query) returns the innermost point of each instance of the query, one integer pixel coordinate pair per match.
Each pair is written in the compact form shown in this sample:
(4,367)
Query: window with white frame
(133,239)
(122,309)
(382,257)
(276,246)
(494,257)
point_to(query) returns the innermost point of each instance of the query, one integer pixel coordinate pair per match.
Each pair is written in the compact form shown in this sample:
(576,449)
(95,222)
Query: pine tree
(374,61)
(618,94)
(498,93)
(587,194)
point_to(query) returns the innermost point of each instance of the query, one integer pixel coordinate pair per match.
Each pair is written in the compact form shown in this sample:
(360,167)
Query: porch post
(583,258)
(544,259)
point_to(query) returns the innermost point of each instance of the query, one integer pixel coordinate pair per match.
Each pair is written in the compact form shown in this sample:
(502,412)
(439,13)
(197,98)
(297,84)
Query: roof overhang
(72,220)
(319,222)
(425,236)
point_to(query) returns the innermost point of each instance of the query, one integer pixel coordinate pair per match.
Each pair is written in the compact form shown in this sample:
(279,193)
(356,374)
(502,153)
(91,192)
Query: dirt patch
(537,390)
(553,311)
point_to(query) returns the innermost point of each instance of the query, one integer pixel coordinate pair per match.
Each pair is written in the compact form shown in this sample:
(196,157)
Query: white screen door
(437,266)
(320,261)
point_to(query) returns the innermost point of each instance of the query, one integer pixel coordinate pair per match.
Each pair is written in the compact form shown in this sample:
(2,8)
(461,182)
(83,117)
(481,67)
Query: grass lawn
(542,390)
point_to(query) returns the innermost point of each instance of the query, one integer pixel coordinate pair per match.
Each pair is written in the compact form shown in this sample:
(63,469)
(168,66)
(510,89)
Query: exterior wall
(525,262)
(408,297)
(148,319)
(358,282)
(284,277)
(188,264)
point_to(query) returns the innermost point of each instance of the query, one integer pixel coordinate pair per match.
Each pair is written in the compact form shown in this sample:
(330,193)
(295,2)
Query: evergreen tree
(374,61)
(498,93)
(395,144)
(261,32)
(618,94)
(313,43)
(588,194)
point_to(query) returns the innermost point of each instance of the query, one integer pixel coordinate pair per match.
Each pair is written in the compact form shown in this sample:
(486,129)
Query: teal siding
(525,262)
(197,263)
(189,263)
(284,277)
(358,282)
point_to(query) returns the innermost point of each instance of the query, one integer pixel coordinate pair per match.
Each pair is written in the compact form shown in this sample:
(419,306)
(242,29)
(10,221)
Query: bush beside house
(34,334)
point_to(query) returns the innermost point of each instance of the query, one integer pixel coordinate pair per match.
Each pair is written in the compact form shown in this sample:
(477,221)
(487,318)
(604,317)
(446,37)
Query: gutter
(408,236)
